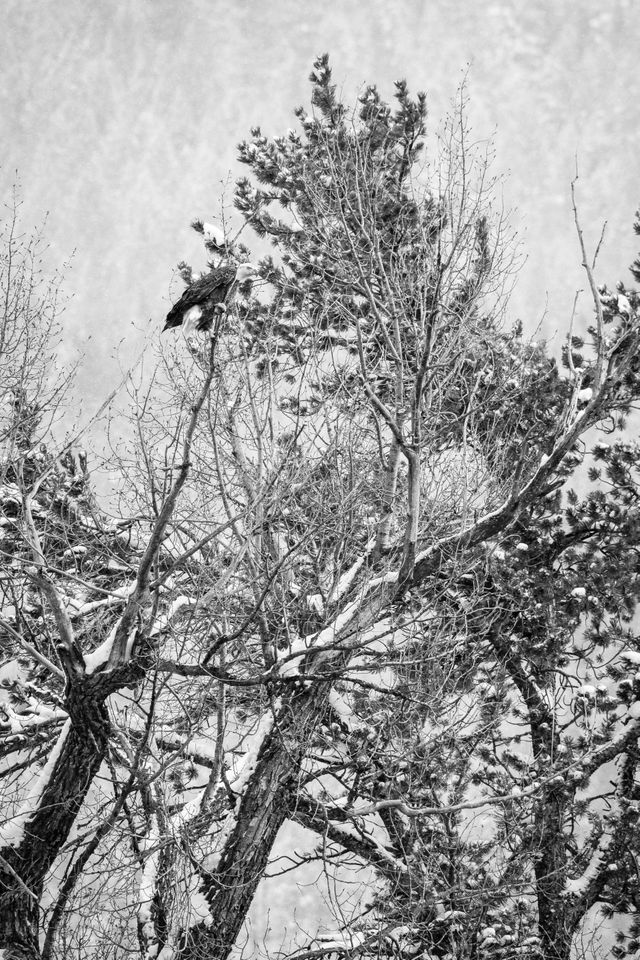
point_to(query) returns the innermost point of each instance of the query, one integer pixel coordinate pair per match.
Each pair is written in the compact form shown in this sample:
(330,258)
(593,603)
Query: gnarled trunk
(23,868)
(267,802)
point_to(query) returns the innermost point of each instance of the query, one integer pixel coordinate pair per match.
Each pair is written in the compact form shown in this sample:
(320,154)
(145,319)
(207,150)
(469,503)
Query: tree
(350,586)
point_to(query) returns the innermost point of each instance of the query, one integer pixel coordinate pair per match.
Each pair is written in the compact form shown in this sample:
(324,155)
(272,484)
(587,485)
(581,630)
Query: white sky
(122,120)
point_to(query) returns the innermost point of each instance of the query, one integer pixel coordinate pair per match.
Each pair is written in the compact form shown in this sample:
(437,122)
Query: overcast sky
(122,118)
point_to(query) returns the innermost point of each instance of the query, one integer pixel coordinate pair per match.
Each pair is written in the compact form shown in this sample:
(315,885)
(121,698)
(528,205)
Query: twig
(593,288)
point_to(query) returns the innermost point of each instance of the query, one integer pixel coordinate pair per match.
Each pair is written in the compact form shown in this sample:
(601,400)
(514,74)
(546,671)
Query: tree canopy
(372,572)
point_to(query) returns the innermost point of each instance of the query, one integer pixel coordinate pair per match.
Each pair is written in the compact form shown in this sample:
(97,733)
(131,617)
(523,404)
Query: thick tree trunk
(19,916)
(24,868)
(269,797)
(267,802)
(550,870)
(548,840)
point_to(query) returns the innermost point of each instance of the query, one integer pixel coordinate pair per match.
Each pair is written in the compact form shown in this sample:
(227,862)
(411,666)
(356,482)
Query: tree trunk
(550,869)
(24,868)
(267,802)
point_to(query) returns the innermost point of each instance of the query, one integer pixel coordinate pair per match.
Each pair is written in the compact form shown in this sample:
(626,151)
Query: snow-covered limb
(630,656)
(163,621)
(290,664)
(626,736)
(517,794)
(115,597)
(316,816)
(331,634)
(12,832)
(367,942)
(371,640)
(340,706)
(579,885)
(21,724)
(387,578)
(201,750)
(344,941)
(147,886)
(100,655)
(31,650)
(250,757)
(240,780)
(349,575)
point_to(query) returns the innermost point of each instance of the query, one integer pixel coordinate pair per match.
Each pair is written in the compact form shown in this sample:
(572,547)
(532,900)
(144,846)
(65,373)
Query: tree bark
(23,869)
(550,870)
(267,802)
(270,794)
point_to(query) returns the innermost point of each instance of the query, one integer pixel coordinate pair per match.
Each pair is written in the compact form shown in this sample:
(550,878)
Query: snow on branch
(347,578)
(12,832)
(163,621)
(578,886)
(115,597)
(146,889)
(31,650)
(101,654)
(238,783)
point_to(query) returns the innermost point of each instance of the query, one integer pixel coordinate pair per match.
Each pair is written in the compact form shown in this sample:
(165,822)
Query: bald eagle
(197,305)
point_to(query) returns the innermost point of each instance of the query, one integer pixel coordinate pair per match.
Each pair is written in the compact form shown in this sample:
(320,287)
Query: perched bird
(197,306)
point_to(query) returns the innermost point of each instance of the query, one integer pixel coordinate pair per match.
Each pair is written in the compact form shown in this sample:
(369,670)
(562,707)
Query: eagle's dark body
(207,293)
